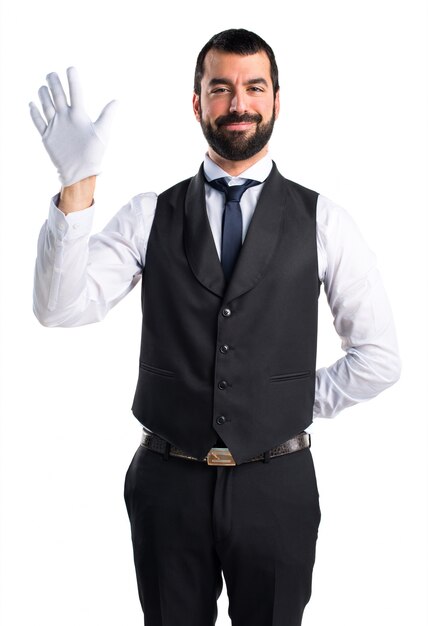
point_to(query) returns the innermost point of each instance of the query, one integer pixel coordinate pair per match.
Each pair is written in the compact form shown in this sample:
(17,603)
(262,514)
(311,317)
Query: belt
(223,456)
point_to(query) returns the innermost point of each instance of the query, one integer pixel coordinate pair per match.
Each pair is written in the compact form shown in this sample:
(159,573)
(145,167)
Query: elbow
(44,318)
(65,318)
(391,371)
(395,372)
(44,315)
(380,371)
(47,323)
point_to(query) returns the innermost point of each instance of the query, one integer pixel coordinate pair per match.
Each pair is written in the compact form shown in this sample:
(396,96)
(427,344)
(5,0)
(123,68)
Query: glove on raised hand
(74,143)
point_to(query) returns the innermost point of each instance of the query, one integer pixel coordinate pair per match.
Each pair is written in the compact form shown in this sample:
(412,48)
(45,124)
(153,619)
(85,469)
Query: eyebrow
(226,81)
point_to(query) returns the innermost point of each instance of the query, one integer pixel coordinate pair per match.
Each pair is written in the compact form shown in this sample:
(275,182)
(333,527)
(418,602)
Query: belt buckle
(220,456)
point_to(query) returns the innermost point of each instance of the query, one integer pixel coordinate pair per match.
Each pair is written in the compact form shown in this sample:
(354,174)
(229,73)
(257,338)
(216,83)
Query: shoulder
(175,191)
(300,189)
(142,206)
(294,189)
(298,198)
(133,220)
(142,203)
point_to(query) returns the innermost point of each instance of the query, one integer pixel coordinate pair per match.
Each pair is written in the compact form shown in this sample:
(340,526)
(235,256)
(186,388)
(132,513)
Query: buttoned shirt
(79,278)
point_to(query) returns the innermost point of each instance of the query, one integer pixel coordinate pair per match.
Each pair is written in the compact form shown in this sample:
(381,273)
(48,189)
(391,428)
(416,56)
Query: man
(223,480)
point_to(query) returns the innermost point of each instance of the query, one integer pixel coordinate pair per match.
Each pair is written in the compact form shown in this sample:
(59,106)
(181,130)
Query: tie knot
(233,192)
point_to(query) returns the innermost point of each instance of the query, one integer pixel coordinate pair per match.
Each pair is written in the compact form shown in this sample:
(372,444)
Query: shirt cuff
(71,226)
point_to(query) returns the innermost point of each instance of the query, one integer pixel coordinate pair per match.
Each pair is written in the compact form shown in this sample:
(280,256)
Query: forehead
(236,67)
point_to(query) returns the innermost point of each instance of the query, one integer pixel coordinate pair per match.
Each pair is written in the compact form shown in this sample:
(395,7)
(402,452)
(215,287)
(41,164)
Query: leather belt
(223,456)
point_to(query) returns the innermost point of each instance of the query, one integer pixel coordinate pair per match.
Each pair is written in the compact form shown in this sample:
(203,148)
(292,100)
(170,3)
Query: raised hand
(74,143)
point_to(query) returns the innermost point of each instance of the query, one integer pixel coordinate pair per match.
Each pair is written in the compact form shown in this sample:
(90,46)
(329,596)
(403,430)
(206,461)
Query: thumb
(104,122)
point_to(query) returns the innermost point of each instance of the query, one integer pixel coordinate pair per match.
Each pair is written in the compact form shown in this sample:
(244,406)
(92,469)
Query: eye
(256,89)
(220,90)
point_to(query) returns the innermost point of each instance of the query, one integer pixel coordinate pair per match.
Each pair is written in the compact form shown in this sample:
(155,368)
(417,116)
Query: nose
(238,104)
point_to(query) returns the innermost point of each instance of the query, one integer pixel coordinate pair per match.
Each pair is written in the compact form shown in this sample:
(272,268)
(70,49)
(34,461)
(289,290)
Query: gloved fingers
(76,94)
(105,120)
(58,94)
(47,104)
(38,120)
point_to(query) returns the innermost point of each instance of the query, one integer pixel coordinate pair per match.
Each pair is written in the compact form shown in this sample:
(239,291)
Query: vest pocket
(279,378)
(156,370)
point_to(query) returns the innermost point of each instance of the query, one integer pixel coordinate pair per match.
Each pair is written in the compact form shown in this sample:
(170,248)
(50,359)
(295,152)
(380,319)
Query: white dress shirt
(79,278)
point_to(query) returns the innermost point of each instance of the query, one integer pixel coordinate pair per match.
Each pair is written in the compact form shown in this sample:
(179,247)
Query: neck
(234,168)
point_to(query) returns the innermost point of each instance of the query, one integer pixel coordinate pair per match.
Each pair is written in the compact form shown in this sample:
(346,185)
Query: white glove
(75,144)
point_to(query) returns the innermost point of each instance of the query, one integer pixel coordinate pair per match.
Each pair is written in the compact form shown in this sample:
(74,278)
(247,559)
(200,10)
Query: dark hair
(238,41)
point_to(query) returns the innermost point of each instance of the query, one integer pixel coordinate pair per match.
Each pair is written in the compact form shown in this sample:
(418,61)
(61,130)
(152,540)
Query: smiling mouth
(240,123)
(240,126)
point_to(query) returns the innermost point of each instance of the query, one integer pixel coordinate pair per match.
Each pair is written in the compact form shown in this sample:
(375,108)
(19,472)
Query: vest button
(224,349)
(226,312)
(222,384)
(221,419)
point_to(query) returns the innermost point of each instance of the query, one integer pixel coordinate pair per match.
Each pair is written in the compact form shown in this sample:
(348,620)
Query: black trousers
(256,522)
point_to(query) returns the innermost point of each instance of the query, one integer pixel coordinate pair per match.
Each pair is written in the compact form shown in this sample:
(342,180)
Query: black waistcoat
(234,360)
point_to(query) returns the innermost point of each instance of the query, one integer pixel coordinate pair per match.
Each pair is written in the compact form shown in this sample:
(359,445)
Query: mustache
(233,118)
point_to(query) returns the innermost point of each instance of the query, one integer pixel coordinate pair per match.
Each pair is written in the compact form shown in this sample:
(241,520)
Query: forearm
(364,372)
(62,254)
(79,278)
(60,275)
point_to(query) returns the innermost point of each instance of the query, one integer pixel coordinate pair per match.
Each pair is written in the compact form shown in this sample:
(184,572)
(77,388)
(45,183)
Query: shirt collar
(259,171)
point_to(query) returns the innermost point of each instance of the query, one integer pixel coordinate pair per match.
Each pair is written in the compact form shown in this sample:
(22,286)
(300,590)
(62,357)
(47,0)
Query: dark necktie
(231,238)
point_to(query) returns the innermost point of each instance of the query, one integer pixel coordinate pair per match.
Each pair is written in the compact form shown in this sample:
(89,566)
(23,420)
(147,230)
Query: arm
(361,312)
(79,278)
(70,286)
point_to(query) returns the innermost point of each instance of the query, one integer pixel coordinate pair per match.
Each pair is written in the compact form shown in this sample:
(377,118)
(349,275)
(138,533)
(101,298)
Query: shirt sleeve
(78,278)
(361,315)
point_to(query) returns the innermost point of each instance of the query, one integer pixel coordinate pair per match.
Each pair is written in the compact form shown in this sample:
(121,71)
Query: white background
(353,127)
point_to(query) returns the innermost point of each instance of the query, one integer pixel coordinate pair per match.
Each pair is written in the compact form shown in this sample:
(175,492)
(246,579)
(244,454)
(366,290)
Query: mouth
(238,123)
(238,126)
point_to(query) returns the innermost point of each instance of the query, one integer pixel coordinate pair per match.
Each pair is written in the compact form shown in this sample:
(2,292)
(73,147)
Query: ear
(196,107)
(277,104)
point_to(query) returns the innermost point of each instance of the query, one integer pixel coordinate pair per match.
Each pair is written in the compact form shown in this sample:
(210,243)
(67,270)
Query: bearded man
(231,261)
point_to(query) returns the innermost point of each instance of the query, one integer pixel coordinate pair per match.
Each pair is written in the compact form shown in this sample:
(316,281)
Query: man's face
(237,107)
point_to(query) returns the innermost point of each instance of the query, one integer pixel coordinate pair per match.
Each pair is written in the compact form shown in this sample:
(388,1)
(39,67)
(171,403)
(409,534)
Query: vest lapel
(263,233)
(198,239)
(259,245)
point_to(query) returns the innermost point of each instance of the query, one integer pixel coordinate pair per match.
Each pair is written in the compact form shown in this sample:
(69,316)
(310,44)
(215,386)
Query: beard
(235,145)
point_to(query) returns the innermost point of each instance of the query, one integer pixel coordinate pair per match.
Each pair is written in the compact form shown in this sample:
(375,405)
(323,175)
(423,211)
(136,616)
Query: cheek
(212,110)
(267,111)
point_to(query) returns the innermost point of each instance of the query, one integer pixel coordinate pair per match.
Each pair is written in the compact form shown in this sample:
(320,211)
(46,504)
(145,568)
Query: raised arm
(78,278)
